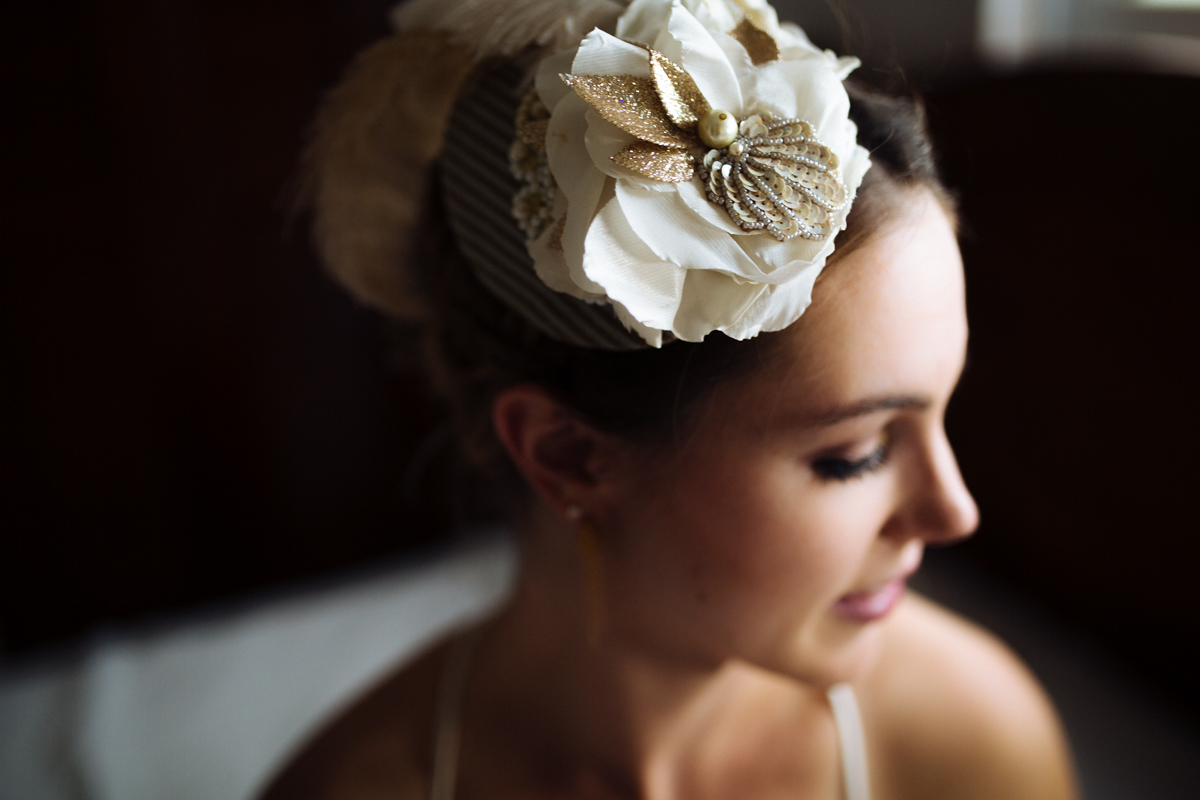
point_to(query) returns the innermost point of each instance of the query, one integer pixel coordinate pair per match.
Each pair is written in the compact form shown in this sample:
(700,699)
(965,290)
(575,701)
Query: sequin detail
(778,177)
(532,121)
(533,204)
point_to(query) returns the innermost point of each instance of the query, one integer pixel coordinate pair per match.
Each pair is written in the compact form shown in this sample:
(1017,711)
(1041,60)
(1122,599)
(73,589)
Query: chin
(840,652)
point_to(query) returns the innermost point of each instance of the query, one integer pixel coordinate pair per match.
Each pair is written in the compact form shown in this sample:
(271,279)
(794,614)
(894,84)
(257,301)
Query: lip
(873,604)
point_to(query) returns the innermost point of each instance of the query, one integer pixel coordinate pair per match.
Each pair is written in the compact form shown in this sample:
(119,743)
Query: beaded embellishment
(533,204)
(776,176)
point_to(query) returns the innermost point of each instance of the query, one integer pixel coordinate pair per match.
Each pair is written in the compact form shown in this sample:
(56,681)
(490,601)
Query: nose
(938,508)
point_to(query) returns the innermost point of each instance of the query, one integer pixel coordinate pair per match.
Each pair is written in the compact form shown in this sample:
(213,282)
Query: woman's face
(781,530)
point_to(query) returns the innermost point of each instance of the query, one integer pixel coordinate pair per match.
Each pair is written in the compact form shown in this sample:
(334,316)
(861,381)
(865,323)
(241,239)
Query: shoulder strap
(853,742)
(447,727)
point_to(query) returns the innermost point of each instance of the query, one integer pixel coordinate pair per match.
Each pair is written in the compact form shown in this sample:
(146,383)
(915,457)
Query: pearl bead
(718,128)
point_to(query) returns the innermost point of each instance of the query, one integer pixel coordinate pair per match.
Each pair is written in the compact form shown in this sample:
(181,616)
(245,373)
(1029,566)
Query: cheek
(748,549)
(768,538)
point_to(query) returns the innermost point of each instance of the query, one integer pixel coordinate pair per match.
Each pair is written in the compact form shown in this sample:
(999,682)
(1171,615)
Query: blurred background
(193,414)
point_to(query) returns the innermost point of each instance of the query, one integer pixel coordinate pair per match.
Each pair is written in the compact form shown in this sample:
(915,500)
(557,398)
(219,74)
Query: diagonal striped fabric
(478,188)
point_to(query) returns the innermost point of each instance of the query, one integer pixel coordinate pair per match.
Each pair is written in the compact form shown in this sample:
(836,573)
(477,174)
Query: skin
(724,560)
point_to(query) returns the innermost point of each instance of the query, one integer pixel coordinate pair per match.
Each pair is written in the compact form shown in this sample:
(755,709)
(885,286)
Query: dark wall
(1076,423)
(923,42)
(191,410)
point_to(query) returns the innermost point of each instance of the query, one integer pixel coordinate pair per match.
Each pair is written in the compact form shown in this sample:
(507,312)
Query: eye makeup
(833,468)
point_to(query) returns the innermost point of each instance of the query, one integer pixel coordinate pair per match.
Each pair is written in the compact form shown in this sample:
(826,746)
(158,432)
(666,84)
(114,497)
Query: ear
(563,459)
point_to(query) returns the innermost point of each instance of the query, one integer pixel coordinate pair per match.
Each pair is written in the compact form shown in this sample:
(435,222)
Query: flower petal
(806,89)
(617,259)
(549,86)
(604,54)
(642,21)
(694,233)
(693,195)
(716,15)
(550,262)
(577,178)
(762,15)
(690,45)
(652,336)
(675,233)
(777,307)
(845,65)
(713,302)
(794,42)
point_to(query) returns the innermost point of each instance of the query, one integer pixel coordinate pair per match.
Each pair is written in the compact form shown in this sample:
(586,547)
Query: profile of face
(779,530)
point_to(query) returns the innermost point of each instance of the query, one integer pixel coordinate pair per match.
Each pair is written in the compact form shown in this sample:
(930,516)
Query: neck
(600,707)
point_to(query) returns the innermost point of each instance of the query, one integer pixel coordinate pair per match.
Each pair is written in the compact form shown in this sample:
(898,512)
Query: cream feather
(489,28)
(368,166)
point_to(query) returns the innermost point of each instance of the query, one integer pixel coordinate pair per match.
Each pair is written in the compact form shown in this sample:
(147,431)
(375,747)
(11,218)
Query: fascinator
(625,175)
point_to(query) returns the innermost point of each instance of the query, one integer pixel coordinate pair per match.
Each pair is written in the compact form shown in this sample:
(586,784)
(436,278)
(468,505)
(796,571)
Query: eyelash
(841,469)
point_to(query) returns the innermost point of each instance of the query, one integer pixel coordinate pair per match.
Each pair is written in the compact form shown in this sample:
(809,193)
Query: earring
(591,552)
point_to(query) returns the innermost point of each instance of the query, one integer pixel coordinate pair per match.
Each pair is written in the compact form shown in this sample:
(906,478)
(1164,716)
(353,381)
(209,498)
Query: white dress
(208,708)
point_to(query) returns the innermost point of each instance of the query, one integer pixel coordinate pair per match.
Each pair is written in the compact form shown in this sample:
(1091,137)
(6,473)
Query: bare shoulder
(954,713)
(380,747)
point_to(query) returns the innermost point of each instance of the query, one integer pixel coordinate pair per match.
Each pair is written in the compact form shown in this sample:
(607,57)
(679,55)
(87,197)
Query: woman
(721,470)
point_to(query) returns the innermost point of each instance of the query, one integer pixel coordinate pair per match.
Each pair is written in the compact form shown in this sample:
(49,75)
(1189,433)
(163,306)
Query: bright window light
(1193,4)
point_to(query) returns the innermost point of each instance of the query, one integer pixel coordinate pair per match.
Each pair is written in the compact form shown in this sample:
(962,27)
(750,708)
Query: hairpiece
(682,168)
(769,174)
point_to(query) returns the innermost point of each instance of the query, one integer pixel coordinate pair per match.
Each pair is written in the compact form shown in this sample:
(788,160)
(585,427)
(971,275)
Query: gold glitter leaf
(759,44)
(680,96)
(657,162)
(631,104)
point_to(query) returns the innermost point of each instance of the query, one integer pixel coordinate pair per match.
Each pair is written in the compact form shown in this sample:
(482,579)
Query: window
(1184,4)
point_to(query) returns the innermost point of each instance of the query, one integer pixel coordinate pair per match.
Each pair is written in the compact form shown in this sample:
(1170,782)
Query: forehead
(888,319)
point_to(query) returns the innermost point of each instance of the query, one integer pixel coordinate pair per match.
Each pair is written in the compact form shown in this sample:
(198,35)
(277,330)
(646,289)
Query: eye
(831,468)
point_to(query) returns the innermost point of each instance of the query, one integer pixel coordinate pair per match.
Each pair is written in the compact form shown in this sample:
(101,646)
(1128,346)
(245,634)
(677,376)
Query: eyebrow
(863,407)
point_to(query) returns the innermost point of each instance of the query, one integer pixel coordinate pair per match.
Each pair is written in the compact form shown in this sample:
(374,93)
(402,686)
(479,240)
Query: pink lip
(872,605)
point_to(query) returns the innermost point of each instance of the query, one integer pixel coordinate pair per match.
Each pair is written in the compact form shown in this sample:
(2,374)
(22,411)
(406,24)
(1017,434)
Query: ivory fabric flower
(645,221)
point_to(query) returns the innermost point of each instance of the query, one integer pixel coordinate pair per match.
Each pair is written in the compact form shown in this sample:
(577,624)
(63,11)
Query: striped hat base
(478,188)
